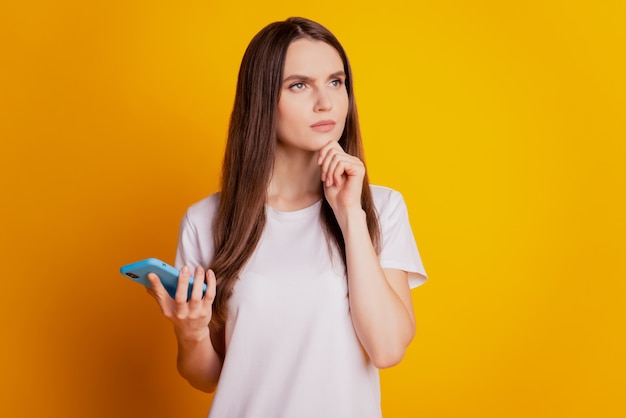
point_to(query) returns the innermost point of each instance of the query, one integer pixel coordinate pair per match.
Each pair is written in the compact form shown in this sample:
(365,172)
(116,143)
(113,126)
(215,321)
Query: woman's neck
(295,182)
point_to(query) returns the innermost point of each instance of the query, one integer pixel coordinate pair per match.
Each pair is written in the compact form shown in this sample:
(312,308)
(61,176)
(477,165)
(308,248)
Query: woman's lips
(323,126)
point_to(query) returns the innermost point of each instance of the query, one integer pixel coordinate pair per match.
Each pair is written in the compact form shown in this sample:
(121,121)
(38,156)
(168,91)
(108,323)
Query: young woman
(308,267)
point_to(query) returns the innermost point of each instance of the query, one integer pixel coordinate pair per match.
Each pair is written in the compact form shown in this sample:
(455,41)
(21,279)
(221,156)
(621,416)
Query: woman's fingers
(211,282)
(198,282)
(190,317)
(186,313)
(330,156)
(342,176)
(327,167)
(325,157)
(337,169)
(338,165)
(324,150)
(157,289)
(158,292)
(182,290)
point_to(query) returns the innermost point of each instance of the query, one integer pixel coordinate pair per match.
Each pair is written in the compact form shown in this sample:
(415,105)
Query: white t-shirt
(291,348)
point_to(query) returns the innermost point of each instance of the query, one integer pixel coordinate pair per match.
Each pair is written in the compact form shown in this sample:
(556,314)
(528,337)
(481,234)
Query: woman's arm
(197,360)
(380,300)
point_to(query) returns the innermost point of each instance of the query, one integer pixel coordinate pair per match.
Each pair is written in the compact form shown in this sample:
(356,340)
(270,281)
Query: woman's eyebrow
(337,74)
(306,78)
(297,77)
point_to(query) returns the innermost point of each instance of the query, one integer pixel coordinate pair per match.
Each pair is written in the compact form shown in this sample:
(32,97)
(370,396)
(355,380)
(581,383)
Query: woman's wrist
(351,218)
(192,336)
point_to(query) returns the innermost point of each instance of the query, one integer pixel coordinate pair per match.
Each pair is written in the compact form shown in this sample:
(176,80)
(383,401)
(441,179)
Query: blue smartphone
(139,270)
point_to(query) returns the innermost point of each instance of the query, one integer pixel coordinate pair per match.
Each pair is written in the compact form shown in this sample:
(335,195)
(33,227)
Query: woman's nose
(323,102)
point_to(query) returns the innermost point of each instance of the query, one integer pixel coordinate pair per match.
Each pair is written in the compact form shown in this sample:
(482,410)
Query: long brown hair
(249,158)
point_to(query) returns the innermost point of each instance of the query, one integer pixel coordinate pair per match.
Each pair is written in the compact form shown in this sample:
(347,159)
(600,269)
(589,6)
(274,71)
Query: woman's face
(313,102)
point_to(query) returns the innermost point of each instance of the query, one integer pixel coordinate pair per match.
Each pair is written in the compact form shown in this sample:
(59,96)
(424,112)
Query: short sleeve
(186,252)
(195,236)
(398,249)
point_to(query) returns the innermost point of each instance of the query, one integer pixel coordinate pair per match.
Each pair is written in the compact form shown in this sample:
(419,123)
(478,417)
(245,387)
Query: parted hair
(249,158)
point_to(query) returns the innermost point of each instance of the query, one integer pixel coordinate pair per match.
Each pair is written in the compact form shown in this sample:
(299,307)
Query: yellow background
(502,124)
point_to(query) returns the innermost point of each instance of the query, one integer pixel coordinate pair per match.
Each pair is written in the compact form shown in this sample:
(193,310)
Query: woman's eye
(297,86)
(336,83)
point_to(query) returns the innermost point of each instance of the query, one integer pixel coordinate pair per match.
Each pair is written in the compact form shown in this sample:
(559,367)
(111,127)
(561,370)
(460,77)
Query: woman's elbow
(388,357)
(198,381)
(206,388)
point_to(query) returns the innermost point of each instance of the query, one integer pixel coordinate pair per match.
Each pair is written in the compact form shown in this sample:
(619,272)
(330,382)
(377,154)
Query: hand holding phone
(191,319)
(168,275)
